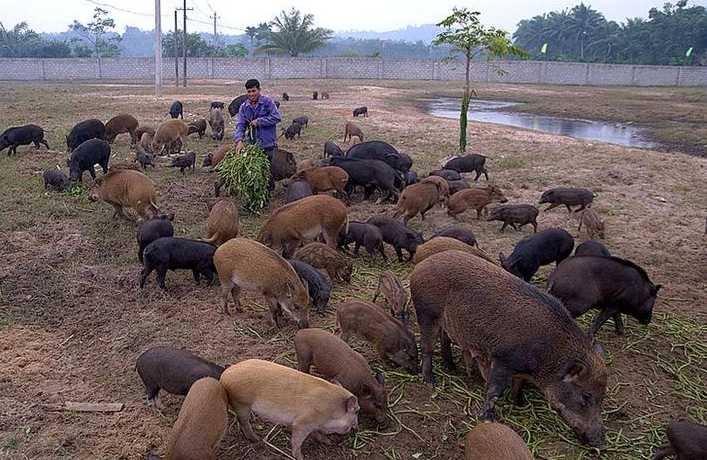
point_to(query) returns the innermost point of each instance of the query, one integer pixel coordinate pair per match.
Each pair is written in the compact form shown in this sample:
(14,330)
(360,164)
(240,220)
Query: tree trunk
(465,106)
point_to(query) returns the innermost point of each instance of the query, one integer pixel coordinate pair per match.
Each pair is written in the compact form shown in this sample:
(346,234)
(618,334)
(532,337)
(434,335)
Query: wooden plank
(86,407)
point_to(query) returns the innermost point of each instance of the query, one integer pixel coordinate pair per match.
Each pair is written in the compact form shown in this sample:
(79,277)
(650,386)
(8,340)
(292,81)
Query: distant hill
(424,33)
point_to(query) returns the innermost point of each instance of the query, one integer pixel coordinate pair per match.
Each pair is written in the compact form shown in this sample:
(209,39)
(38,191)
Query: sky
(235,15)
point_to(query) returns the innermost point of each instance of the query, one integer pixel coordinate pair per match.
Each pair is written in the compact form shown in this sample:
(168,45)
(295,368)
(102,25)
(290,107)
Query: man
(261,113)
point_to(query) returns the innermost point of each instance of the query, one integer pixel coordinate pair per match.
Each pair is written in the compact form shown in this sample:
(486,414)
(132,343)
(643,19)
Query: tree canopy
(198,47)
(294,34)
(98,33)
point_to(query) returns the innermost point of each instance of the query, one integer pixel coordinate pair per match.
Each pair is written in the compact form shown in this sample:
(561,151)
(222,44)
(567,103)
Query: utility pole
(215,36)
(158,49)
(176,50)
(184,10)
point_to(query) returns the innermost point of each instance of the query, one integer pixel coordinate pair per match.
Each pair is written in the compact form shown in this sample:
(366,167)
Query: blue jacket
(268,117)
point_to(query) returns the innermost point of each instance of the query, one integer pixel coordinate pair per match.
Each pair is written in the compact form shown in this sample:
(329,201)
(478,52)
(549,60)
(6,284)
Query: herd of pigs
(512,331)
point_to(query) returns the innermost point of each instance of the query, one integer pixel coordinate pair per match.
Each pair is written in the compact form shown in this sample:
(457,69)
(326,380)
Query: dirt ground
(73,320)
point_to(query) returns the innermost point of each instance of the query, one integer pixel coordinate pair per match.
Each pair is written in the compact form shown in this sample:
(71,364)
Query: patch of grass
(510,163)
(10,443)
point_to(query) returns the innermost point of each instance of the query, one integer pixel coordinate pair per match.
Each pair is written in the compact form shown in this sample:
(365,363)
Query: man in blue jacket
(261,113)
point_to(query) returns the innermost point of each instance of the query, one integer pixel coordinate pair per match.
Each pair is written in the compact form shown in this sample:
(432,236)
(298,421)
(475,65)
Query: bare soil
(73,320)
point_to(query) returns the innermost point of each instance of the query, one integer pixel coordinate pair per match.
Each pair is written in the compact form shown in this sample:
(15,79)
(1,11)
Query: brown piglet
(201,424)
(391,289)
(285,396)
(324,179)
(476,198)
(592,223)
(321,256)
(392,339)
(119,124)
(169,134)
(351,130)
(223,222)
(337,361)
(495,441)
(445,243)
(417,199)
(442,188)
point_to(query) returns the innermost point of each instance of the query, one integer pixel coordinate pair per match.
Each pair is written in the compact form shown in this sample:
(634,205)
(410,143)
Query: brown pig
(120,124)
(495,441)
(198,127)
(304,220)
(201,424)
(213,158)
(442,187)
(391,289)
(392,339)
(476,198)
(516,333)
(593,225)
(126,188)
(244,264)
(336,361)
(686,441)
(169,134)
(324,179)
(417,199)
(351,130)
(445,243)
(285,396)
(144,129)
(223,222)
(146,141)
(321,256)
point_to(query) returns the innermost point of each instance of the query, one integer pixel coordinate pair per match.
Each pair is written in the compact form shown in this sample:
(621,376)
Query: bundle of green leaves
(246,175)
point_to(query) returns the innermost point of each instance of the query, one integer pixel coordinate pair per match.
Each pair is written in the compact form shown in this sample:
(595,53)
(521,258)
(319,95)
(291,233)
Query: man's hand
(239,146)
(254,123)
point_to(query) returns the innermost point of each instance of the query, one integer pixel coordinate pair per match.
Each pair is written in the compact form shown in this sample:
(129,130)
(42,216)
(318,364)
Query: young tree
(467,36)
(98,33)
(295,34)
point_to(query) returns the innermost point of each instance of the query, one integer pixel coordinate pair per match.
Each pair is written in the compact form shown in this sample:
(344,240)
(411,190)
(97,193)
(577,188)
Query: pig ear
(380,378)
(501,258)
(574,370)
(352,404)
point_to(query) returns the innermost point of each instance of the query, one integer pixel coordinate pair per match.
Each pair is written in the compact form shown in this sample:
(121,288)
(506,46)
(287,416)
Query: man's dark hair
(252,83)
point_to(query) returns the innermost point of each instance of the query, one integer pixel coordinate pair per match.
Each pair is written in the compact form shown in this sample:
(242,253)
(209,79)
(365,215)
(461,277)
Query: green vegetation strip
(246,175)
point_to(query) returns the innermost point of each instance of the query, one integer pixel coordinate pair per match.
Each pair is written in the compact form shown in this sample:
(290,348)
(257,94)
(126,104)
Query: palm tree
(583,23)
(294,34)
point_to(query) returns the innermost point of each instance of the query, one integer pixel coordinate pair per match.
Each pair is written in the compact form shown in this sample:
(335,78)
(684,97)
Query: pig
(325,95)
(153,229)
(324,179)
(285,396)
(142,129)
(391,289)
(186,161)
(442,188)
(472,162)
(285,97)
(612,285)
(83,131)
(686,441)
(214,158)
(126,188)
(296,190)
(337,361)
(457,185)
(146,142)
(382,151)
(318,284)
(321,256)
(302,121)
(119,124)
(235,104)
(593,225)
(444,243)
(217,124)
(515,332)
(332,150)
(277,103)
(85,156)
(476,198)
(315,95)
(295,129)
(169,253)
(592,248)
(217,106)
(305,164)
(410,178)
(22,135)
(362,234)
(397,235)
(56,180)
(304,220)
(512,214)
(244,264)
(447,174)
(360,111)
(417,199)
(197,127)
(530,253)
(351,130)
(494,441)
(144,158)
(202,422)
(392,339)
(282,164)
(568,196)
(460,232)
(222,224)
(172,370)
(168,135)
(176,110)
(369,174)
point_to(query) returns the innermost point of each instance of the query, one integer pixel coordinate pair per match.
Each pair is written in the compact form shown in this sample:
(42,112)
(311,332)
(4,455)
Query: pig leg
(499,379)
(161,275)
(514,226)
(235,293)
(665,451)
(243,416)
(197,276)
(145,273)
(517,392)
(618,324)
(503,227)
(92,172)
(304,358)
(601,318)
(357,246)
(486,173)
(446,350)
(381,249)
(535,226)
(552,206)
(301,428)
(276,312)
(399,252)
(569,208)
(428,333)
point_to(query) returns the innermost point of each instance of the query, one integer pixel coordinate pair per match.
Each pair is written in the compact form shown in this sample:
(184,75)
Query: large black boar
(178,253)
(176,110)
(236,104)
(22,135)
(551,245)
(397,235)
(85,156)
(381,151)
(515,214)
(83,131)
(568,196)
(318,284)
(153,229)
(472,162)
(172,370)
(592,248)
(515,332)
(369,174)
(609,284)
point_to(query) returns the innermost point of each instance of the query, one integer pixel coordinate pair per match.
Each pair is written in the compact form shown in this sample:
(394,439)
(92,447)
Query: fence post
(100,72)
(213,73)
(633,75)
(586,74)
(380,68)
(44,71)
(677,77)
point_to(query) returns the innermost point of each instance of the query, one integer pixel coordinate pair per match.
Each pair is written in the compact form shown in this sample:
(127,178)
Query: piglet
(169,253)
(56,180)
(391,289)
(494,441)
(362,234)
(318,284)
(686,441)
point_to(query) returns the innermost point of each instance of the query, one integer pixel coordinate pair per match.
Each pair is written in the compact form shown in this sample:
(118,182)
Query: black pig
(592,248)
(512,214)
(295,129)
(186,161)
(362,234)
(568,196)
(472,162)
(331,149)
(456,185)
(397,235)
(85,156)
(22,135)
(176,110)
(302,121)
(153,229)
(371,175)
(551,245)
(236,104)
(56,180)
(297,190)
(447,174)
(318,284)
(410,178)
(83,131)
(360,111)
(460,232)
(686,441)
(178,253)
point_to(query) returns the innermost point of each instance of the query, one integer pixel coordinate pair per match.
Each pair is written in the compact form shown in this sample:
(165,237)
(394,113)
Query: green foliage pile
(246,175)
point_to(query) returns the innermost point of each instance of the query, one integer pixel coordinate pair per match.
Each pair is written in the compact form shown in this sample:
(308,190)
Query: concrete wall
(561,73)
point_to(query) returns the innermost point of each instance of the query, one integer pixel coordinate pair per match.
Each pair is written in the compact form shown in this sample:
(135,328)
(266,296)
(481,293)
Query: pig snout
(595,438)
